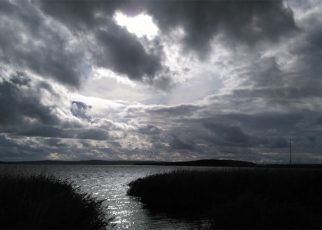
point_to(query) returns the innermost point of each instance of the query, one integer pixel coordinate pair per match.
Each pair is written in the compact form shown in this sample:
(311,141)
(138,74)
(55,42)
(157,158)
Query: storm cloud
(24,44)
(218,79)
(112,46)
(19,103)
(246,22)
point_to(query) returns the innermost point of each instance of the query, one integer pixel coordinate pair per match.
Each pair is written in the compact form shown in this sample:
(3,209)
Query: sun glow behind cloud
(140,25)
(153,77)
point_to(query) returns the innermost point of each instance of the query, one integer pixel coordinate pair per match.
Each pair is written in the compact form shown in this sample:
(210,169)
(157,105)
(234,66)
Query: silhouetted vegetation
(45,202)
(237,198)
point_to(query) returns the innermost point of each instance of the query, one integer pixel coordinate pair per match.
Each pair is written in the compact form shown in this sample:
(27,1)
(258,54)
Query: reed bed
(237,198)
(44,202)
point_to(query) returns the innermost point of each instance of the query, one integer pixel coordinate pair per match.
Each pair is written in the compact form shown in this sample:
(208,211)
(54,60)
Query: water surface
(110,183)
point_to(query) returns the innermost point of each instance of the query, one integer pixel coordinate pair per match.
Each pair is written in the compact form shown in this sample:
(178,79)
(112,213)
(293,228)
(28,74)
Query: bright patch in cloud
(102,72)
(141,25)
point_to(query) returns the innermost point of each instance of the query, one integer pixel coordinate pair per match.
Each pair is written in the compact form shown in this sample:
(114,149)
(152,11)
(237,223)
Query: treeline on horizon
(202,162)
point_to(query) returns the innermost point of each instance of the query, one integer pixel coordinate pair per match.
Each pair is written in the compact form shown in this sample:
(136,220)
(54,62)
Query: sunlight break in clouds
(182,80)
(140,25)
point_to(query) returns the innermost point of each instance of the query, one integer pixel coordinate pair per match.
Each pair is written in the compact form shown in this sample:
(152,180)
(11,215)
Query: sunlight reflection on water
(110,183)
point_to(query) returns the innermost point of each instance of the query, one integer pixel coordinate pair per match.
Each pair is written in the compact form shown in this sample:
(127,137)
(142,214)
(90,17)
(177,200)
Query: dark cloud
(279,143)
(28,41)
(34,148)
(31,40)
(123,53)
(80,109)
(12,150)
(231,135)
(44,46)
(20,103)
(40,130)
(81,14)
(113,46)
(176,143)
(175,111)
(247,21)
(149,130)
(94,134)
(264,72)
(307,69)
(269,90)
(253,136)
(264,120)
(23,113)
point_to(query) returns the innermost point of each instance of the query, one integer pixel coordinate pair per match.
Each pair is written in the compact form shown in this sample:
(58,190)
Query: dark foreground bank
(47,203)
(238,198)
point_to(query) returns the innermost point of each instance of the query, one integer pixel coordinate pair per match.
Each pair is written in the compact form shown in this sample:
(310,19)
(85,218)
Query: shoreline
(201,163)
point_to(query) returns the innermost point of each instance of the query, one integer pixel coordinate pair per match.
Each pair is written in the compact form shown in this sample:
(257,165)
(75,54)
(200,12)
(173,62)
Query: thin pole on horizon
(290,150)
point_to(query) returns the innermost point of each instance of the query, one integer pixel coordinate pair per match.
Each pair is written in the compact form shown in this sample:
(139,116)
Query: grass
(47,203)
(237,198)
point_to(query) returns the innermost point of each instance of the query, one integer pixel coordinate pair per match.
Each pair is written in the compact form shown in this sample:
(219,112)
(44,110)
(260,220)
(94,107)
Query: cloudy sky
(161,80)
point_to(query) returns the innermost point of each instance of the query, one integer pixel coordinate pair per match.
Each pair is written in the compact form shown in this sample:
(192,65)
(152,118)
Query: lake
(110,183)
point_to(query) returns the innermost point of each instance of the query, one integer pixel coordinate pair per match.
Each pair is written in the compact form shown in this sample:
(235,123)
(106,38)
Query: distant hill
(205,162)
(212,162)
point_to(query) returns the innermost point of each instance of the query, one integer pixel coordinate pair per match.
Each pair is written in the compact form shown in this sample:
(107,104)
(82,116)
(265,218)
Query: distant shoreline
(205,163)
(162,163)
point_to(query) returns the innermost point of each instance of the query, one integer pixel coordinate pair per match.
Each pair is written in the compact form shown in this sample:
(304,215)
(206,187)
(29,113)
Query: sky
(161,80)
